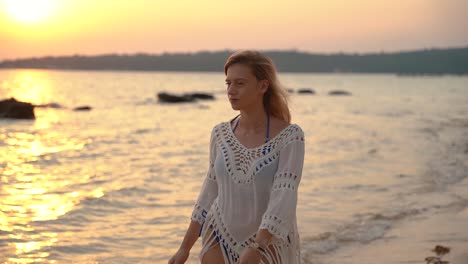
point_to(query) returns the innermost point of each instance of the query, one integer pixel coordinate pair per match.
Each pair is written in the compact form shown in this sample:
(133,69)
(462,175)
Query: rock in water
(82,108)
(339,92)
(170,98)
(202,96)
(11,108)
(306,91)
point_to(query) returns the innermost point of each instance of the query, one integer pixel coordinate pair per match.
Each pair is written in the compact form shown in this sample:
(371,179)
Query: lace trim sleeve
(281,210)
(209,189)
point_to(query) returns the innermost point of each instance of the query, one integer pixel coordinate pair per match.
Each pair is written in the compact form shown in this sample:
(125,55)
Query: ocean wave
(129,191)
(368,187)
(369,227)
(448,170)
(75,218)
(449,165)
(397,113)
(146,130)
(112,202)
(363,231)
(80,248)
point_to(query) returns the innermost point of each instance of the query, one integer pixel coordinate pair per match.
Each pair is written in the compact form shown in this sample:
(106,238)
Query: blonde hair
(275,99)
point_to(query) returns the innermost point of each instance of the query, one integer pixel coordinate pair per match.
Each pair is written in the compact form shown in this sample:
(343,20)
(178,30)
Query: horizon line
(233,50)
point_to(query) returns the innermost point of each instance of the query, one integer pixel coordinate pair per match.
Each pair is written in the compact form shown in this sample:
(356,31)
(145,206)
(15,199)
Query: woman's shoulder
(220,125)
(279,126)
(218,129)
(224,124)
(297,129)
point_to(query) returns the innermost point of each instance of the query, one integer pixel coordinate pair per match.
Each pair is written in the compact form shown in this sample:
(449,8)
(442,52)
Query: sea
(385,175)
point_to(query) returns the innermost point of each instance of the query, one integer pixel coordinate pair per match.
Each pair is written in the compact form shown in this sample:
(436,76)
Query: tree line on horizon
(428,61)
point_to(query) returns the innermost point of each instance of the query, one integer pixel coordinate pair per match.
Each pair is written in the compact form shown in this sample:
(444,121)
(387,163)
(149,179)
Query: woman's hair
(275,99)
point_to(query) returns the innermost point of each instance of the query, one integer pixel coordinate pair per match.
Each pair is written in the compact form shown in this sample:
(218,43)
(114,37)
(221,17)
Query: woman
(246,209)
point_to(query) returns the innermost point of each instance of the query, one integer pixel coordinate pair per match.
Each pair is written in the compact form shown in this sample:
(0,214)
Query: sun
(29,11)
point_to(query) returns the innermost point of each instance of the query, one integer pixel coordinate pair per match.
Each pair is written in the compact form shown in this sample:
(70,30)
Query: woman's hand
(179,257)
(250,256)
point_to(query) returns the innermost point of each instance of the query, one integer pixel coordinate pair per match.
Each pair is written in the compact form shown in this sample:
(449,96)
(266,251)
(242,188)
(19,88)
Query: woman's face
(243,89)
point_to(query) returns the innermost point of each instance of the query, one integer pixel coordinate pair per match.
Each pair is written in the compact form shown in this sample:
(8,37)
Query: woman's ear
(264,86)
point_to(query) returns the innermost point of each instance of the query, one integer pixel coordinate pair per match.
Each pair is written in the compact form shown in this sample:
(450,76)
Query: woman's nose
(230,90)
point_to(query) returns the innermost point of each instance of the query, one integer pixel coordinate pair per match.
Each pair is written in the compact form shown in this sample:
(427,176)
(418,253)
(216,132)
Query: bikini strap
(267,137)
(237,123)
(268,128)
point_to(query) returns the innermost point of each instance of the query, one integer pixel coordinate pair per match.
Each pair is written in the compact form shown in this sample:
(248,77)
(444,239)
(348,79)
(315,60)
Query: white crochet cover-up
(247,189)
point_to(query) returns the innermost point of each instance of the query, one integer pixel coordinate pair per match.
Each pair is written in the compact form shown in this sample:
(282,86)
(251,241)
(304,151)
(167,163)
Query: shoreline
(412,241)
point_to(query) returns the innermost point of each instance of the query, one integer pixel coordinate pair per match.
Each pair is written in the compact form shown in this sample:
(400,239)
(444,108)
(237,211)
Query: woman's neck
(253,120)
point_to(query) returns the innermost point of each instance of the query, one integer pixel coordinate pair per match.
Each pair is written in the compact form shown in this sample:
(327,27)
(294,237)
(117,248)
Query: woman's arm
(208,192)
(190,238)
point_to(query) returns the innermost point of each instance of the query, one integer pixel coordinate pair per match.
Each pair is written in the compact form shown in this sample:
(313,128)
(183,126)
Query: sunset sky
(66,27)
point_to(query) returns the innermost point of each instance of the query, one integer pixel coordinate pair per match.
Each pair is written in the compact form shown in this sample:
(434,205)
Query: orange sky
(66,27)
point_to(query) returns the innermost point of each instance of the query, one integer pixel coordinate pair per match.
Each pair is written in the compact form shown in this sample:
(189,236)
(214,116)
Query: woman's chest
(235,166)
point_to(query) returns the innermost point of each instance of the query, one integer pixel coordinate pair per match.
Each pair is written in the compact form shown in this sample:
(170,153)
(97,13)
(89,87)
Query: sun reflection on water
(34,186)
(32,86)
(30,194)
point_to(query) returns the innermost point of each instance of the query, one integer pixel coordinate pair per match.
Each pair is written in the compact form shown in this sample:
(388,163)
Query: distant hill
(428,61)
